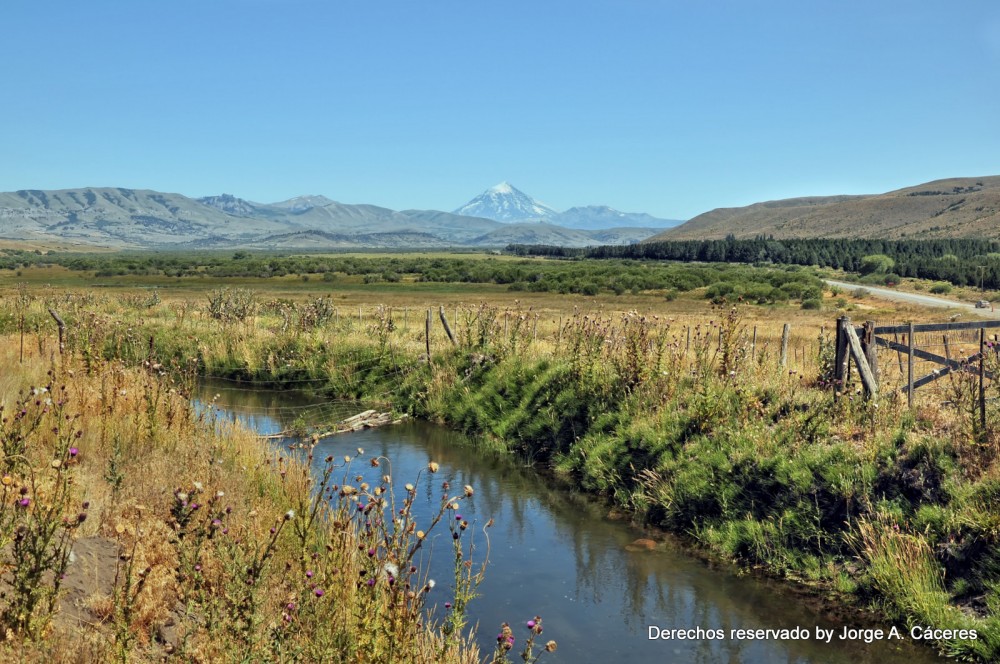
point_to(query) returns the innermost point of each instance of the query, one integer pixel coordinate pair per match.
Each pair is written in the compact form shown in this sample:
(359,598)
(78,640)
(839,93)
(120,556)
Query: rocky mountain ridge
(135,218)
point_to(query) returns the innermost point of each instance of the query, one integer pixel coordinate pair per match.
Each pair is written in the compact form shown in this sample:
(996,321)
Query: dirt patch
(90,573)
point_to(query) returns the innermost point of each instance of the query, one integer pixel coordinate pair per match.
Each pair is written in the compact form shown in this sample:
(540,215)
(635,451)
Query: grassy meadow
(658,387)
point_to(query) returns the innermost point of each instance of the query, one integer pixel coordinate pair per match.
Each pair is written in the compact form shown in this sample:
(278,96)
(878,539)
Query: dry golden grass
(140,441)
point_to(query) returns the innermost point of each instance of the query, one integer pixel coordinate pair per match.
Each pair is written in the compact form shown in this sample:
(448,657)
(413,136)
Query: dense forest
(962,262)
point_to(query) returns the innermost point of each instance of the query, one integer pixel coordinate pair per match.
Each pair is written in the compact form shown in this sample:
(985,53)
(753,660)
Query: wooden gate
(860,343)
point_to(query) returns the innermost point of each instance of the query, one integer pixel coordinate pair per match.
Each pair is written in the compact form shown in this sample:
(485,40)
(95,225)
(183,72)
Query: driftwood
(368,419)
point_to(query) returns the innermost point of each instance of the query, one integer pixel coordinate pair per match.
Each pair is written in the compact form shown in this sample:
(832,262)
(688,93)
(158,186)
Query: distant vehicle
(982,304)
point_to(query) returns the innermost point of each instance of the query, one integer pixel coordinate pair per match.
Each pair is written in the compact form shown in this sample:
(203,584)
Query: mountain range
(137,218)
(505,202)
(950,208)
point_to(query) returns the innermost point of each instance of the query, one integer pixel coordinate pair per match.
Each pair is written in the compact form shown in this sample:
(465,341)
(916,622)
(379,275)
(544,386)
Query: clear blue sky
(666,107)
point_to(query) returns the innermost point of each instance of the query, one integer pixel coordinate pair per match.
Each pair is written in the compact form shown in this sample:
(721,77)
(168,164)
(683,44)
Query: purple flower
(309,573)
(73,451)
(531,624)
(447,605)
(318,592)
(24,502)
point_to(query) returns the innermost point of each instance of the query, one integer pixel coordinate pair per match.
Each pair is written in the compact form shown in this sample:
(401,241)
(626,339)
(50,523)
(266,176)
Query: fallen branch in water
(368,419)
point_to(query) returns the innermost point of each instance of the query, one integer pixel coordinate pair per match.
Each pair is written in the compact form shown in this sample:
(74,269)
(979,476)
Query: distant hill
(117,218)
(952,208)
(595,217)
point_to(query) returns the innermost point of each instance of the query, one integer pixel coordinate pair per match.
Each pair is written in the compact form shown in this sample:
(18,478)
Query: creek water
(556,553)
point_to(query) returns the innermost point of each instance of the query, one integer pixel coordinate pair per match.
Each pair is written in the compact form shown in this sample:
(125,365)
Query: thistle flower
(433,466)
(73,452)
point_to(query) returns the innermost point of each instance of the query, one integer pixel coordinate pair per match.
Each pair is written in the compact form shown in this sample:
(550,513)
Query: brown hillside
(956,207)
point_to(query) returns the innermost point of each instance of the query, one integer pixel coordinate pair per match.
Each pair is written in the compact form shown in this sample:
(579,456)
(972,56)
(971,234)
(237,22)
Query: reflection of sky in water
(555,554)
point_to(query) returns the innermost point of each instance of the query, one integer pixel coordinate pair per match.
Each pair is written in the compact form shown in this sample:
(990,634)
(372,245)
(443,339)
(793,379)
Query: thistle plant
(37,520)
(506,642)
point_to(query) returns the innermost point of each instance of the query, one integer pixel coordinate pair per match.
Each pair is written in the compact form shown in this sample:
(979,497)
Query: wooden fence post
(427,336)
(447,328)
(858,353)
(899,356)
(62,330)
(753,344)
(784,344)
(909,366)
(982,390)
(868,343)
(840,355)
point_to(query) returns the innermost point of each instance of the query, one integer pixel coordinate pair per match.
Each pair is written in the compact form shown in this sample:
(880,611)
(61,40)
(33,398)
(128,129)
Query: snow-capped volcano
(504,202)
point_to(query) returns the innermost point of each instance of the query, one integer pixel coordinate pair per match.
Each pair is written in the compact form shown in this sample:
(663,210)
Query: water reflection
(553,553)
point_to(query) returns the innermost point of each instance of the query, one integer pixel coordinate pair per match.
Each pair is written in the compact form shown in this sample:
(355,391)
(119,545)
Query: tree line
(962,262)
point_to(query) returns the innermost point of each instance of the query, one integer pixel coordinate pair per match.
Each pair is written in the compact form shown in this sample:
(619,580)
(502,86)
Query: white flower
(289,515)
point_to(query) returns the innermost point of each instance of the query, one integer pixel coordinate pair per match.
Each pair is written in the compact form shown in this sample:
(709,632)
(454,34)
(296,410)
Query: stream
(557,554)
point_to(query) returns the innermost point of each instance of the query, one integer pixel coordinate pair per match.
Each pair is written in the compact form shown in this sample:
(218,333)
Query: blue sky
(671,108)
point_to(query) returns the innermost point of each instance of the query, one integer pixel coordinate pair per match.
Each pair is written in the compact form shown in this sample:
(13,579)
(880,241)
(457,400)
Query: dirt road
(914,298)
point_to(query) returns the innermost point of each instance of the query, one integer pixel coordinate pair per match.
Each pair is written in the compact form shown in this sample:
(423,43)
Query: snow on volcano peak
(505,202)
